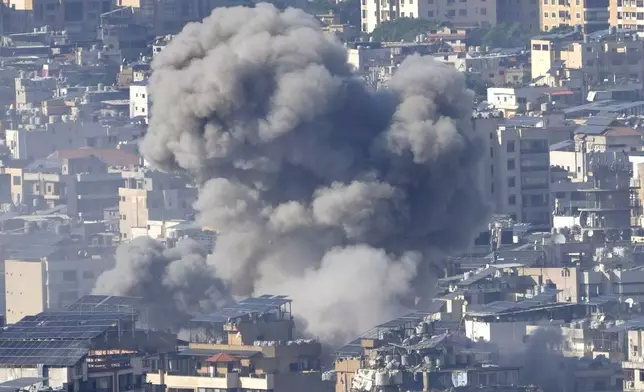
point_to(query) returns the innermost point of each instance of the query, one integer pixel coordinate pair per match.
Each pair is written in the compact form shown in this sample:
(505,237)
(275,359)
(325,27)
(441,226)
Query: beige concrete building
(601,56)
(152,196)
(627,14)
(476,12)
(84,184)
(33,286)
(590,15)
(252,351)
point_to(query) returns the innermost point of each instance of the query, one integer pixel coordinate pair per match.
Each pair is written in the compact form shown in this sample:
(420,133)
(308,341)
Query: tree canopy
(402,29)
(348,11)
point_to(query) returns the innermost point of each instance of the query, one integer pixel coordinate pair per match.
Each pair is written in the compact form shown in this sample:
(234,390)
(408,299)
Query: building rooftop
(247,307)
(19,384)
(60,338)
(106,303)
(110,156)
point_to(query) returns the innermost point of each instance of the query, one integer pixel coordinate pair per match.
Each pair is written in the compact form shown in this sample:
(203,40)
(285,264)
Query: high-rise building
(591,15)
(455,12)
(77,17)
(627,14)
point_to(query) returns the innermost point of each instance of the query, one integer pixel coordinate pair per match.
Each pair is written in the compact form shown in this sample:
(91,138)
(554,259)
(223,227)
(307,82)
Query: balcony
(230,380)
(224,381)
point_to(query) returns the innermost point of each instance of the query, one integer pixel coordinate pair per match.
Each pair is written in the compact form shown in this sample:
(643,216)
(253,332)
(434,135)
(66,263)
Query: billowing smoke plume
(175,283)
(319,188)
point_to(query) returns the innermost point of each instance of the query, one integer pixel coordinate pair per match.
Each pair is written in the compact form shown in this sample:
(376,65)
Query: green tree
(402,29)
(348,11)
(502,35)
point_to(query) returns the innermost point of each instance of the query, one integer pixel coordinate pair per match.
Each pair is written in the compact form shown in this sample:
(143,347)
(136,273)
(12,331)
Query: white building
(139,101)
(457,12)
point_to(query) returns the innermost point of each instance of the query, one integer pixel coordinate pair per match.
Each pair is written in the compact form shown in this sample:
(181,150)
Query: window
(411,14)
(483,11)
(512,182)
(491,152)
(511,164)
(17,180)
(88,274)
(545,15)
(510,146)
(512,200)
(577,15)
(70,276)
(430,14)
(364,14)
(462,12)
(49,188)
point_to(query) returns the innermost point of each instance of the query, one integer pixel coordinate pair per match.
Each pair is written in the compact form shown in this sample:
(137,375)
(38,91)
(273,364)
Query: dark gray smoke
(543,364)
(319,188)
(174,283)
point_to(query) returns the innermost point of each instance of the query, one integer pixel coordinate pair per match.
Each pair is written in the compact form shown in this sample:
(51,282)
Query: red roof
(111,156)
(222,358)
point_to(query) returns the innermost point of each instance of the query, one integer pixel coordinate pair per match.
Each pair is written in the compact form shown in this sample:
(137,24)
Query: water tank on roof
(529,106)
(577,28)
(545,106)
(612,30)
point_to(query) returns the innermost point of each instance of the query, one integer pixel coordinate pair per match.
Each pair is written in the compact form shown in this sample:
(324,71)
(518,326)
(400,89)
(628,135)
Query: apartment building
(602,55)
(41,141)
(522,175)
(590,15)
(627,14)
(152,196)
(49,272)
(139,100)
(93,345)
(248,346)
(75,16)
(83,184)
(476,12)
(516,169)
(33,92)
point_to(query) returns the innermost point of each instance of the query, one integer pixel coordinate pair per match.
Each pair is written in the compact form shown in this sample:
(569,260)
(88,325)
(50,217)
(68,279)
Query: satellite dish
(559,239)
(630,302)
(590,233)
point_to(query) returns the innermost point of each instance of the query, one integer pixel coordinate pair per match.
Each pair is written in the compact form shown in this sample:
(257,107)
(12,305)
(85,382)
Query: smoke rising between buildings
(319,188)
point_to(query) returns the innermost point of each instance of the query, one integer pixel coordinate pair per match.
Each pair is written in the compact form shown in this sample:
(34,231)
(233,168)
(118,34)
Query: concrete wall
(25,292)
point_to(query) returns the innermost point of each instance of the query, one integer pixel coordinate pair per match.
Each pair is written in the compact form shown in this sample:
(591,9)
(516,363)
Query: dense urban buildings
(547,298)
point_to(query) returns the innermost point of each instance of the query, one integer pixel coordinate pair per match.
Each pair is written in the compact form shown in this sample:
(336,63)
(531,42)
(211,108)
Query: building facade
(478,12)
(590,15)
(627,14)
